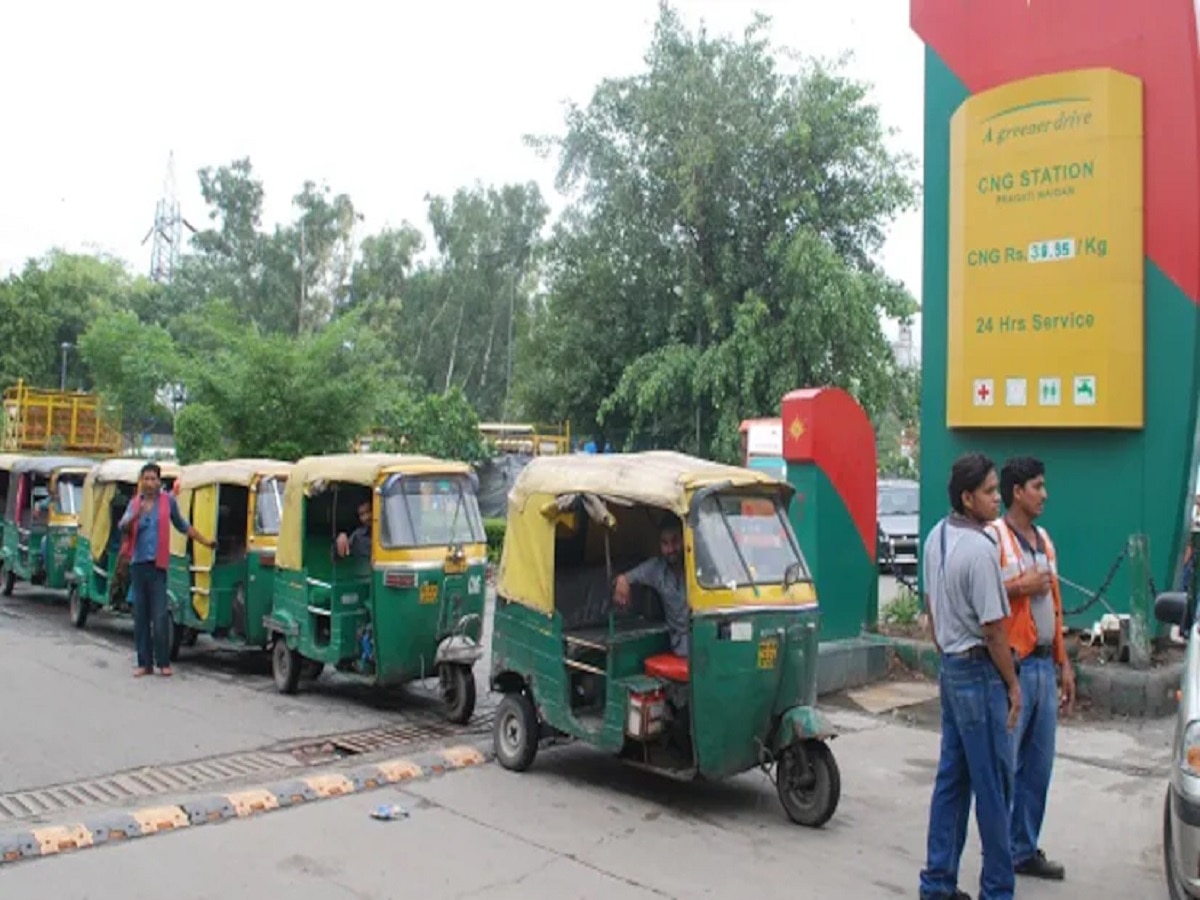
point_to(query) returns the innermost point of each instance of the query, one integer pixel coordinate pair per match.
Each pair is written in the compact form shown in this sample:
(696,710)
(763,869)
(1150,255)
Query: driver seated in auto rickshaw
(358,542)
(664,575)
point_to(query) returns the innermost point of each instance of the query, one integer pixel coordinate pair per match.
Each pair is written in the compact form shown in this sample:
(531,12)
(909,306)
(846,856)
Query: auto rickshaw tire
(1170,870)
(825,792)
(516,732)
(286,664)
(78,607)
(190,637)
(460,705)
(312,669)
(10,582)
(177,634)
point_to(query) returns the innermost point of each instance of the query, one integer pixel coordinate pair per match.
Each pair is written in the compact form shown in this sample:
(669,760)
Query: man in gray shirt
(664,574)
(980,693)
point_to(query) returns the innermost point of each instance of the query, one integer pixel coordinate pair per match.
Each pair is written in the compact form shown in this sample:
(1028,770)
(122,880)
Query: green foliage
(720,248)
(130,362)
(288,397)
(494,529)
(904,610)
(441,425)
(198,434)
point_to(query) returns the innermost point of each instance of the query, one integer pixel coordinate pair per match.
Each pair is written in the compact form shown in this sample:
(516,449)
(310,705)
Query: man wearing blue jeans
(1029,565)
(148,519)
(980,694)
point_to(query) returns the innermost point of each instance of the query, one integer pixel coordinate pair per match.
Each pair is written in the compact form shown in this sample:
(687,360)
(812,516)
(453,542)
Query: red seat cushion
(668,666)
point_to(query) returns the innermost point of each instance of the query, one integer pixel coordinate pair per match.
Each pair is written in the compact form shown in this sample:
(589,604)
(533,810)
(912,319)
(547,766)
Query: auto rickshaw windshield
(743,539)
(430,511)
(70,495)
(268,508)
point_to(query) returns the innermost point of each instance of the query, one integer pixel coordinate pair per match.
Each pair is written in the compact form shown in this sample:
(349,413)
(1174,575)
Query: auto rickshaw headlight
(1189,749)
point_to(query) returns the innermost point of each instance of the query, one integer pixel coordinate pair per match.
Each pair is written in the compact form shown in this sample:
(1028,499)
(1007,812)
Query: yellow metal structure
(534,440)
(37,420)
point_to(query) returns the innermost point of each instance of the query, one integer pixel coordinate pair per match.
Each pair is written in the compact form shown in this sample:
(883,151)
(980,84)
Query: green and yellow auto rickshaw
(381,571)
(7,461)
(97,581)
(572,664)
(226,592)
(41,520)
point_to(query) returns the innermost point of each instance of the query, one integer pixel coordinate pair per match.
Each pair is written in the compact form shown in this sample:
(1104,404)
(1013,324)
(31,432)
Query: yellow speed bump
(56,838)
(247,803)
(330,785)
(153,819)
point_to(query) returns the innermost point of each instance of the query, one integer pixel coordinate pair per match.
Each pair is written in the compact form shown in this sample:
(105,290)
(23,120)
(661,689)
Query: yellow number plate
(429,592)
(768,652)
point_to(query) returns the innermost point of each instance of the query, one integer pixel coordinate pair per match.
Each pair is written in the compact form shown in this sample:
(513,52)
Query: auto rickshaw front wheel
(516,732)
(808,783)
(457,683)
(77,606)
(286,664)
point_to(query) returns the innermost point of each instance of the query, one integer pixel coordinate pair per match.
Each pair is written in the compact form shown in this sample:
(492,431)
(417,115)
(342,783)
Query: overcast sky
(383,101)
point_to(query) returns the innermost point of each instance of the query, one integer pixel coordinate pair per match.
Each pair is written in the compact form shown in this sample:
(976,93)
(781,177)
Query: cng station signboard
(1046,324)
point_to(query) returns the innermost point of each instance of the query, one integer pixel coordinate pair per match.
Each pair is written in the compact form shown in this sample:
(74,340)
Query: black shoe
(1037,866)
(961,895)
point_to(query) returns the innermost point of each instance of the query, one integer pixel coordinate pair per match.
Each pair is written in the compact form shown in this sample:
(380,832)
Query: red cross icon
(983,392)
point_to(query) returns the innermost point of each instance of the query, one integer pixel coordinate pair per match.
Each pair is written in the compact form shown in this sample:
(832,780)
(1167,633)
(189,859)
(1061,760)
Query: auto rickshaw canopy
(100,487)
(547,485)
(310,475)
(8,460)
(45,467)
(239,472)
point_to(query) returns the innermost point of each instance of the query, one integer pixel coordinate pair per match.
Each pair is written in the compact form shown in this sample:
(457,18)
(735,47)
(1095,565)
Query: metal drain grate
(137,784)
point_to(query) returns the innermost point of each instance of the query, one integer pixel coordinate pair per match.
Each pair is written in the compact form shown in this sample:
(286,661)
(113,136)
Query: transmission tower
(167,230)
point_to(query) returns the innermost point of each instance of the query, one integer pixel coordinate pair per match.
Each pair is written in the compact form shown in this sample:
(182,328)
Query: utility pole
(512,295)
(303,281)
(62,382)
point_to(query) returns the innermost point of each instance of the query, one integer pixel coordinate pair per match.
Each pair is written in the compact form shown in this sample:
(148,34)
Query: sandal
(165,671)
(139,672)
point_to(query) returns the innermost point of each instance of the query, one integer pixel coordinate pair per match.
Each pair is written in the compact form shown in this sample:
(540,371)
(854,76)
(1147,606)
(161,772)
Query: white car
(1181,817)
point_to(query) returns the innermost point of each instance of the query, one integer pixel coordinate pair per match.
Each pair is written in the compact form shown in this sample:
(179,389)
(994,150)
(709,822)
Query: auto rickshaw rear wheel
(457,683)
(809,783)
(78,607)
(286,664)
(10,582)
(516,732)
(178,632)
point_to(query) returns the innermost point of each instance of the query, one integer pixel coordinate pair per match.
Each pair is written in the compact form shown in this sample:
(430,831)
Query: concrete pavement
(71,710)
(579,825)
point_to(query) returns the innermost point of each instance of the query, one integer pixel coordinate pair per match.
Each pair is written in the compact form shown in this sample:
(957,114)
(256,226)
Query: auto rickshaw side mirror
(1171,608)
(791,575)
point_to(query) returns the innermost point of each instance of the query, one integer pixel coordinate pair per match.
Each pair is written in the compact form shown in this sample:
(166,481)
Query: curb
(116,826)
(1113,689)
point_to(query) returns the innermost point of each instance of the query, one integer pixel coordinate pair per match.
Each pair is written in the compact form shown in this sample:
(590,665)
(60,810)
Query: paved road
(70,708)
(579,825)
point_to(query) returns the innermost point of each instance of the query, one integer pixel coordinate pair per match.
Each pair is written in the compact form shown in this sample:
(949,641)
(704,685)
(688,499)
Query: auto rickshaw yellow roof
(365,468)
(240,472)
(362,469)
(121,470)
(659,478)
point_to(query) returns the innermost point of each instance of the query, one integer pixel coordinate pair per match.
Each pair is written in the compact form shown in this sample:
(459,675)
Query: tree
(130,363)
(198,434)
(441,425)
(286,397)
(719,248)
(51,302)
